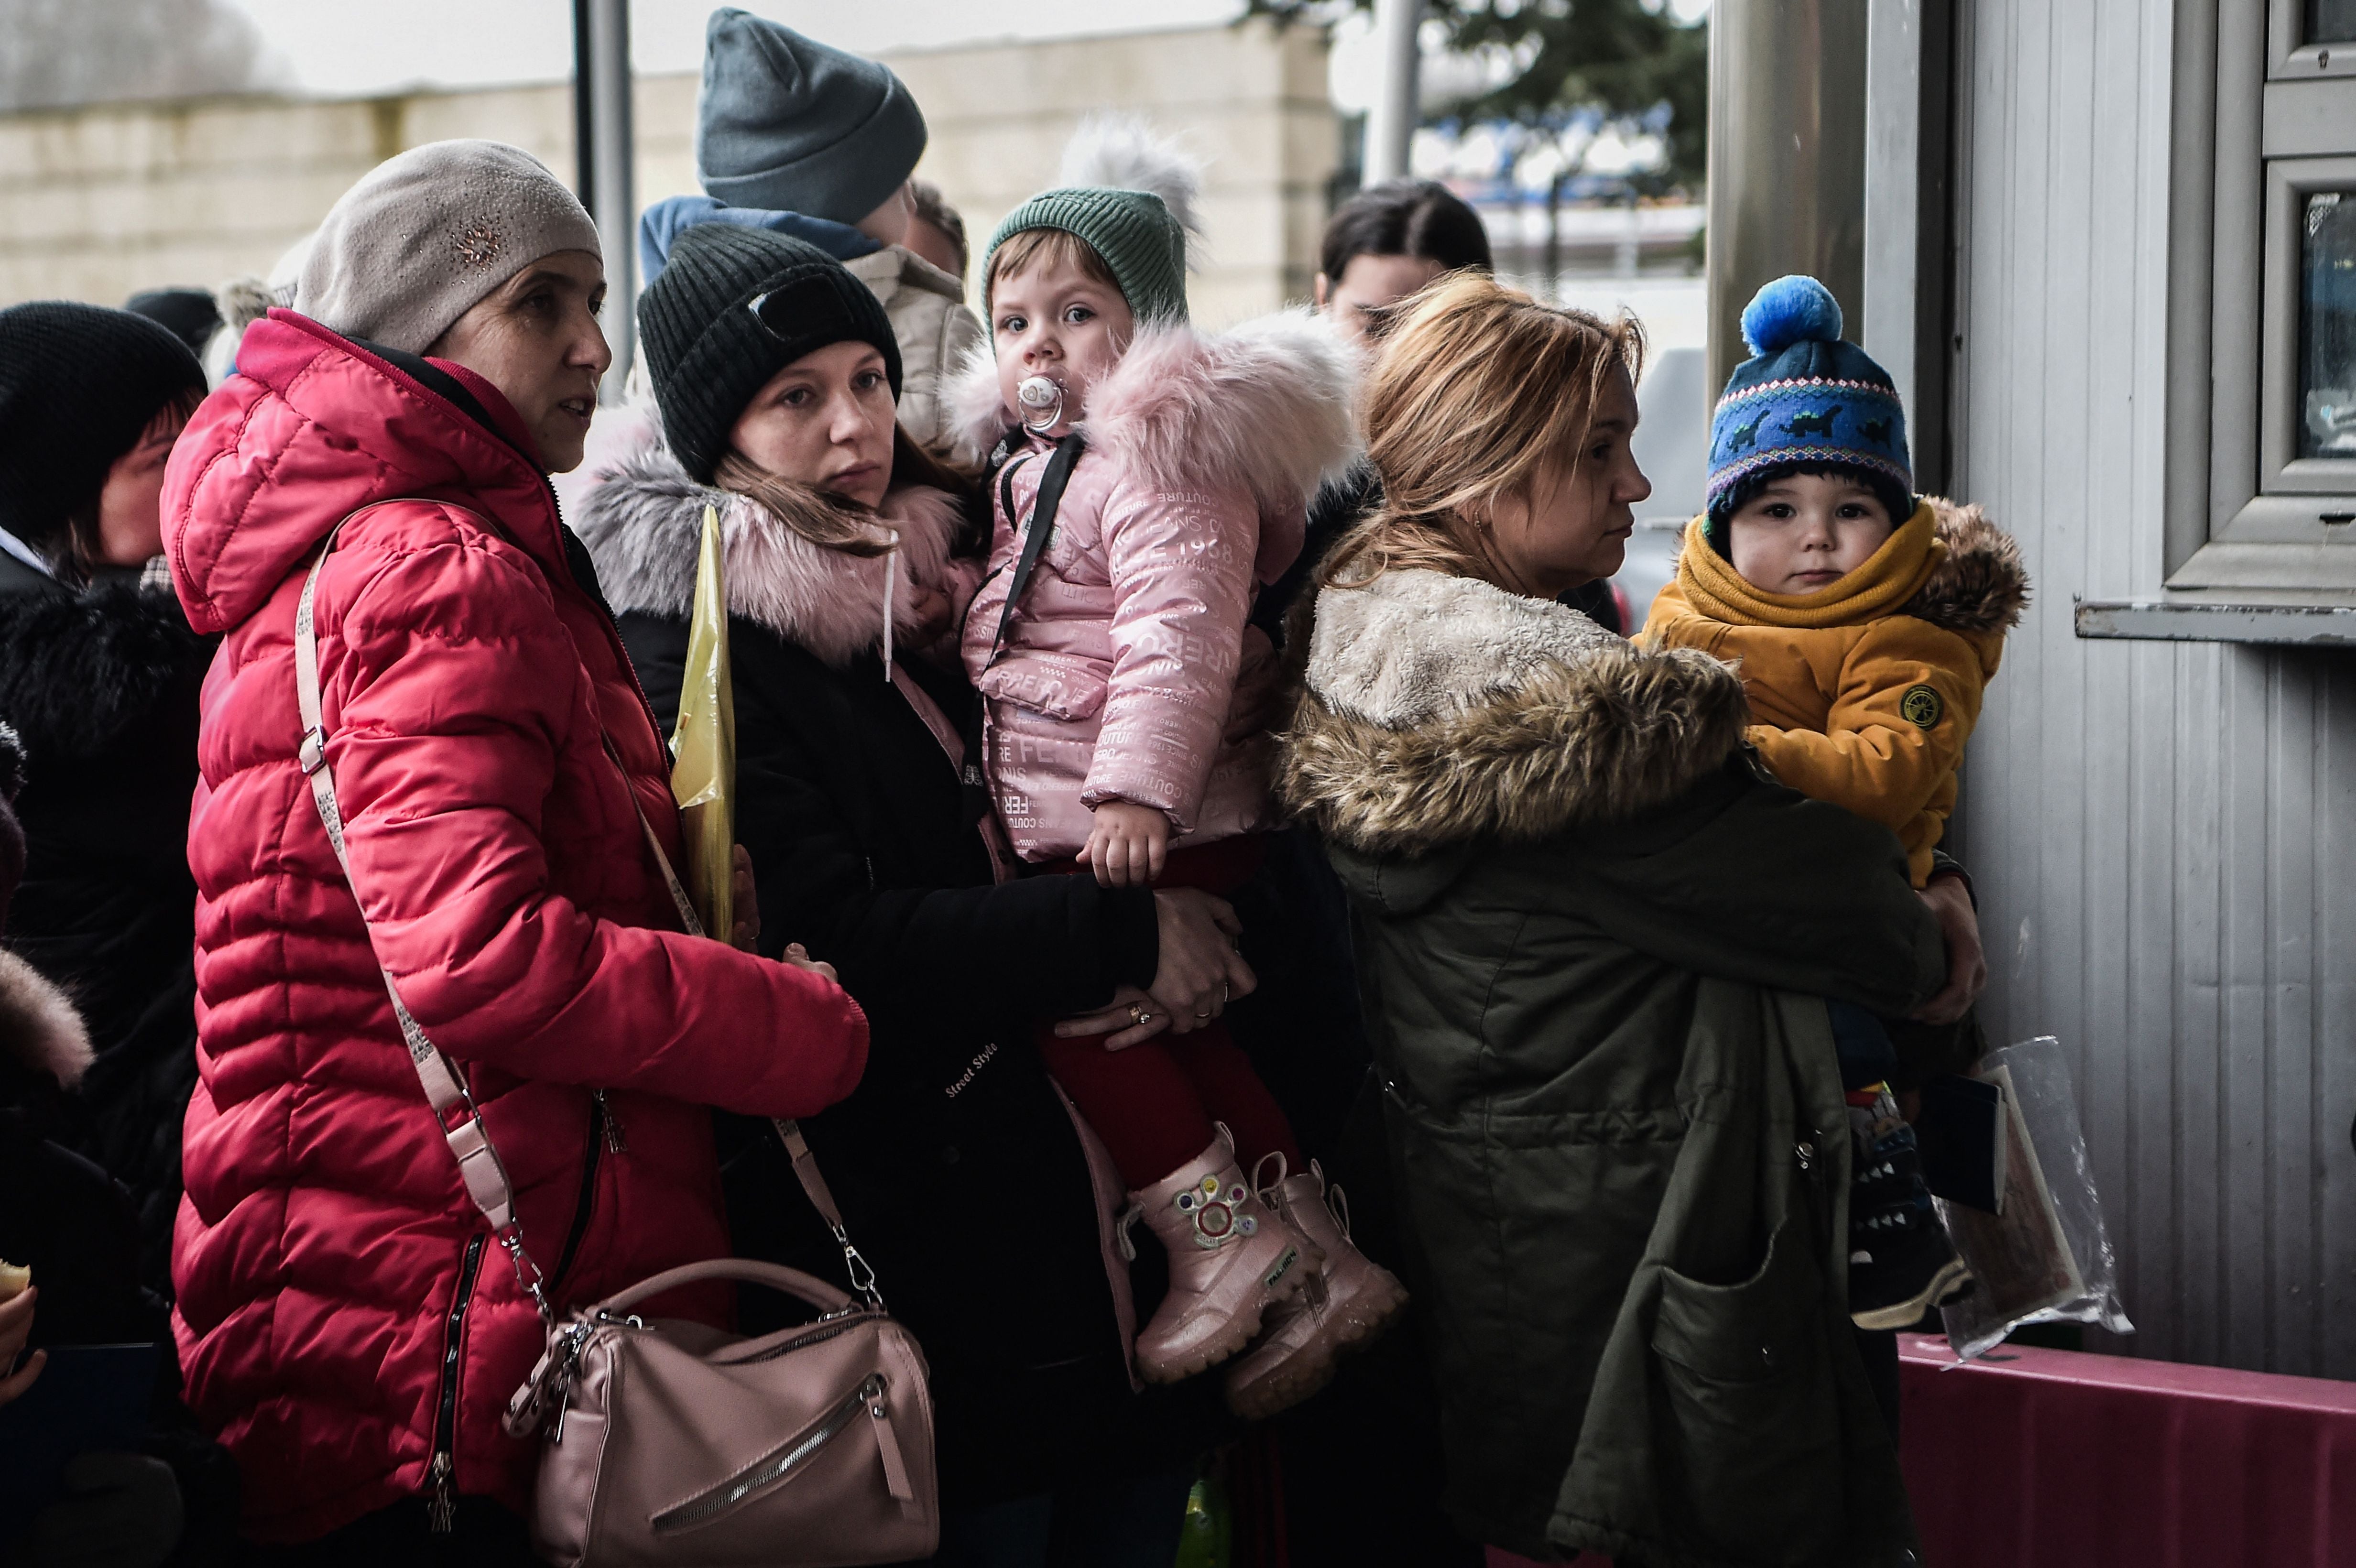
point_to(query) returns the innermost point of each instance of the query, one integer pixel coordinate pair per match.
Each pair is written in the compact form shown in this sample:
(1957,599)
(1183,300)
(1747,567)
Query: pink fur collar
(1266,404)
(643,522)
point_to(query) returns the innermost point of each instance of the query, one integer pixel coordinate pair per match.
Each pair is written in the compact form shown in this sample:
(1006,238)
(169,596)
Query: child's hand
(1127,845)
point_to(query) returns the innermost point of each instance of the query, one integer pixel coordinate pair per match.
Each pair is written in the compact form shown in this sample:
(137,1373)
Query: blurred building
(100,201)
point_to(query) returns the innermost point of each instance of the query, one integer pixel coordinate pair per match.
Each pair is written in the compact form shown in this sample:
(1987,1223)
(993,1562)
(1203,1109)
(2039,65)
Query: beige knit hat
(425,235)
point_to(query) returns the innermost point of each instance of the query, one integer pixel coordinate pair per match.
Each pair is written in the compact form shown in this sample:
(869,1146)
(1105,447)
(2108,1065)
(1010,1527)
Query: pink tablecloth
(2057,1459)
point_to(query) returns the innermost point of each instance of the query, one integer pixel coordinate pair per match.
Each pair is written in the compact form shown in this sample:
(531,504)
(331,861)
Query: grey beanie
(425,235)
(787,124)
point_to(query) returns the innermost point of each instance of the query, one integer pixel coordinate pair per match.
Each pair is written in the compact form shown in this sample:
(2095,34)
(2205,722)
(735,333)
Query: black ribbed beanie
(706,352)
(77,383)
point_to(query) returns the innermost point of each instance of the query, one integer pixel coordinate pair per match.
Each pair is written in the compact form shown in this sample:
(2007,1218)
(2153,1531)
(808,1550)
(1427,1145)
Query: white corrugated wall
(2163,835)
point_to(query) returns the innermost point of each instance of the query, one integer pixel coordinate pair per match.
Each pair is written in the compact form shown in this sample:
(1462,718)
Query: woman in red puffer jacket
(347,1323)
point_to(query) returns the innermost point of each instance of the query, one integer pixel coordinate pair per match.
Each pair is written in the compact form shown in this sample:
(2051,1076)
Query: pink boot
(1345,1305)
(1230,1260)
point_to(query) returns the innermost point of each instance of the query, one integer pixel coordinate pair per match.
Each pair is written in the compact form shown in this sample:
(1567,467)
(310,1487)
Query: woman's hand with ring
(1199,969)
(1131,1019)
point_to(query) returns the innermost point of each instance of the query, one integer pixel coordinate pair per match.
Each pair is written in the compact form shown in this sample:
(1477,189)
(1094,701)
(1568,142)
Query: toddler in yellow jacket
(1865,670)
(1867,625)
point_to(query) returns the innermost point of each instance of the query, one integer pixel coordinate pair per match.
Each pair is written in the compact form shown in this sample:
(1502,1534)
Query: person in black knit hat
(91,400)
(733,307)
(779,379)
(99,672)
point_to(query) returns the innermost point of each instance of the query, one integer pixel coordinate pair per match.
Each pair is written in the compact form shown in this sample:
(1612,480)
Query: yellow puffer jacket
(1864,692)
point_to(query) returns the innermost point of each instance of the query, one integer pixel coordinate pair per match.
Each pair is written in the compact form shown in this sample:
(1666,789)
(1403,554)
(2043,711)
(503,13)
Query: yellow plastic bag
(703,779)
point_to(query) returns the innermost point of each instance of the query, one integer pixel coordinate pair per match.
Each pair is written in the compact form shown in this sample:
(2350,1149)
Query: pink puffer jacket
(1118,674)
(346,1326)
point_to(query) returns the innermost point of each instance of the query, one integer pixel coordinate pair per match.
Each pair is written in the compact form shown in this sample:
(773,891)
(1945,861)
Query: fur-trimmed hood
(1441,708)
(643,522)
(1266,405)
(1981,585)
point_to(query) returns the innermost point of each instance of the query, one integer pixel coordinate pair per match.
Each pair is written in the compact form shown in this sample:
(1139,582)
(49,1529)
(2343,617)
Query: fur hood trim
(1982,585)
(1266,405)
(1441,708)
(643,523)
(39,1030)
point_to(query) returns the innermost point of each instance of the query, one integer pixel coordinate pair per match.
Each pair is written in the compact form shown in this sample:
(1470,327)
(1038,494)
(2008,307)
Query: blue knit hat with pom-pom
(1808,401)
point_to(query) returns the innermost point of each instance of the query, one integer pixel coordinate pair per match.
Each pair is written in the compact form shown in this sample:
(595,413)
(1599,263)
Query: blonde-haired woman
(1596,936)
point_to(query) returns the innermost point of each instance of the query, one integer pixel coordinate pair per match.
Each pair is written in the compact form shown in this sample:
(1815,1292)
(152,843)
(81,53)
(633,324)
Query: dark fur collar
(79,672)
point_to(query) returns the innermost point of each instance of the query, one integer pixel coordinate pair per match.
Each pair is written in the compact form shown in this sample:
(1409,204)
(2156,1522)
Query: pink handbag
(671,1443)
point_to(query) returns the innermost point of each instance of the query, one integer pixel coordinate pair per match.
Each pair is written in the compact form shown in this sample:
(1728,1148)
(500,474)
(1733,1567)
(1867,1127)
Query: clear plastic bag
(2046,1257)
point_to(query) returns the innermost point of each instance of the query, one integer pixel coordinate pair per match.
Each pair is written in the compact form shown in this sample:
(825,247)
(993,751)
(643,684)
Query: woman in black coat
(964,1181)
(99,674)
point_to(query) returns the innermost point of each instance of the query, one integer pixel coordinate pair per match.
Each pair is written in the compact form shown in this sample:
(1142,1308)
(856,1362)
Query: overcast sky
(354,48)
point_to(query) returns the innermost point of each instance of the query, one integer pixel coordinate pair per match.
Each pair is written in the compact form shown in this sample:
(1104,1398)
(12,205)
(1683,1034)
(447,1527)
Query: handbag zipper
(442,1511)
(777,1464)
(817,1336)
(604,1134)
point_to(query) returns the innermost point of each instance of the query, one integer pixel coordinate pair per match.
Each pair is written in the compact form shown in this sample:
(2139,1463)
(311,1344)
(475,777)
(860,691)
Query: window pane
(2330,21)
(2327,369)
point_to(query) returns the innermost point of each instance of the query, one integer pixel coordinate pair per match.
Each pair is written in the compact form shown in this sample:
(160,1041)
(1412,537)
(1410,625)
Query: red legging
(1153,1104)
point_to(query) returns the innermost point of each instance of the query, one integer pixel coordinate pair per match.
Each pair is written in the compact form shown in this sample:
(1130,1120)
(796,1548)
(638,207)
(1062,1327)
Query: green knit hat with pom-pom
(1142,243)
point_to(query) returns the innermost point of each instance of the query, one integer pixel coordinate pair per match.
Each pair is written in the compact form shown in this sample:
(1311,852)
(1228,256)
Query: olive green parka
(1595,938)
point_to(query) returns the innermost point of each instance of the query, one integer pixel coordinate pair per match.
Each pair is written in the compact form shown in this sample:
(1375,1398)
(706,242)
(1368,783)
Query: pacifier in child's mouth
(1043,402)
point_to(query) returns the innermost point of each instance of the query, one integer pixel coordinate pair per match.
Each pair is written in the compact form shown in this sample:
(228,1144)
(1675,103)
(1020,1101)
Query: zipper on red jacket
(443,1511)
(605,1132)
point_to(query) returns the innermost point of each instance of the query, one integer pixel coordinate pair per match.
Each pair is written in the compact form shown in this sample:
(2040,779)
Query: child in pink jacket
(1149,478)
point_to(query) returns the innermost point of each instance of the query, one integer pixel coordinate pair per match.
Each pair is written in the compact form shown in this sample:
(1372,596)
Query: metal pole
(1786,157)
(1554,237)
(1391,122)
(600,89)
(585,119)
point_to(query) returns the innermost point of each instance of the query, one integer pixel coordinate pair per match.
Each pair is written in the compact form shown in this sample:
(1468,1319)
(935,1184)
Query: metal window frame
(2264,523)
(2282,472)
(2259,119)
(2289,59)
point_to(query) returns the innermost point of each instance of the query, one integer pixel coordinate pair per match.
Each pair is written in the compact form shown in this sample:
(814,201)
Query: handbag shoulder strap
(480,1168)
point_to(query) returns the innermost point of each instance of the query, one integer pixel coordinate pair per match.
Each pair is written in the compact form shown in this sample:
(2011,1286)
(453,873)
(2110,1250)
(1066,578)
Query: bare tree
(65,52)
